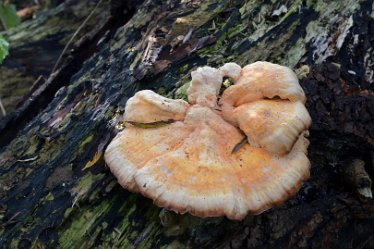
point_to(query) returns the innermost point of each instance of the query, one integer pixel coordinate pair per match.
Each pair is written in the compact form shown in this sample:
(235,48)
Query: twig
(239,145)
(74,35)
(28,159)
(3,111)
(11,220)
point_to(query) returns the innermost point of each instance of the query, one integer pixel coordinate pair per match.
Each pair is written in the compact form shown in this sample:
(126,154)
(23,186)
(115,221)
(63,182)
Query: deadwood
(64,125)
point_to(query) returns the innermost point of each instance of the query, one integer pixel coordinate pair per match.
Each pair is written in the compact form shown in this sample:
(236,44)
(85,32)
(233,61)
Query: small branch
(3,111)
(74,35)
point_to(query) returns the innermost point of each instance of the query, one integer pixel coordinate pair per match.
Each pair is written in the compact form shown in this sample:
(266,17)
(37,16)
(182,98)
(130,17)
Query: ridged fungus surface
(230,155)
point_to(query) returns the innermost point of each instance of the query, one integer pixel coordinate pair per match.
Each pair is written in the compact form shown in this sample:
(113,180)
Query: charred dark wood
(43,91)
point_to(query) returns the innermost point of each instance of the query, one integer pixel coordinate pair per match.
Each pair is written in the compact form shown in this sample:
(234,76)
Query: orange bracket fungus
(230,155)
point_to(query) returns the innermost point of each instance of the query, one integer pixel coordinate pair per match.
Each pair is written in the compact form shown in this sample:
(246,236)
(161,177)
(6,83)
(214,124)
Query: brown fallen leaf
(95,158)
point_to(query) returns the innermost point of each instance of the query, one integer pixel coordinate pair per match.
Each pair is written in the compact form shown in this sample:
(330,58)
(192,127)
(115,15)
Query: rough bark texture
(36,46)
(47,201)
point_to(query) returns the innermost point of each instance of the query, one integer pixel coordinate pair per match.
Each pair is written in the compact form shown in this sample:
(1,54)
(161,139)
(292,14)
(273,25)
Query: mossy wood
(48,201)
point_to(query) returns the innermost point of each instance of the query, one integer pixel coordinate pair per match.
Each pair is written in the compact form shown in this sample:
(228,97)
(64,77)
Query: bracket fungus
(242,154)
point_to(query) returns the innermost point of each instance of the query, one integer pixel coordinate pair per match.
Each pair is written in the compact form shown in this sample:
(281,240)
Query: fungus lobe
(198,163)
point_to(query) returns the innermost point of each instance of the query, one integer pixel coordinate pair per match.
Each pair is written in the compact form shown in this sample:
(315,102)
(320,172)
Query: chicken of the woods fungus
(230,155)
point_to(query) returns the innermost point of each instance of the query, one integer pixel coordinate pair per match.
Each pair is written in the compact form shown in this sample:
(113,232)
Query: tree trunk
(47,200)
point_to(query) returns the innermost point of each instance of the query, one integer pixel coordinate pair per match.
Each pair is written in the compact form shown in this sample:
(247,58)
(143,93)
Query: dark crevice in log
(122,11)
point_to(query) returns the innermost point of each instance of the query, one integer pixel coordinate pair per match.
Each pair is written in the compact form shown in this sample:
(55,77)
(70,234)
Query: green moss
(247,8)
(64,123)
(216,53)
(122,235)
(79,108)
(84,185)
(83,143)
(181,92)
(234,31)
(51,22)
(48,197)
(37,244)
(32,146)
(199,17)
(78,234)
(147,236)
(14,243)
(67,212)
(182,69)
(294,8)
(50,150)
(294,55)
(258,25)
(162,91)
(109,113)
(87,228)
(99,229)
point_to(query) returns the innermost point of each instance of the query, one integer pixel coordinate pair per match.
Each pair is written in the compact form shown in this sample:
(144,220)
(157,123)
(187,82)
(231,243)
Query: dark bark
(47,201)
(36,46)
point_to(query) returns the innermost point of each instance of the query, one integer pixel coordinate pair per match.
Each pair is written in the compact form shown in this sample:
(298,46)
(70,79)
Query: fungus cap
(264,80)
(205,85)
(273,125)
(148,106)
(195,165)
(261,80)
(231,70)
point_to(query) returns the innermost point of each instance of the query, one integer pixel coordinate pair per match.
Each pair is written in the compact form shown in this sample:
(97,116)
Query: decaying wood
(47,201)
(36,45)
